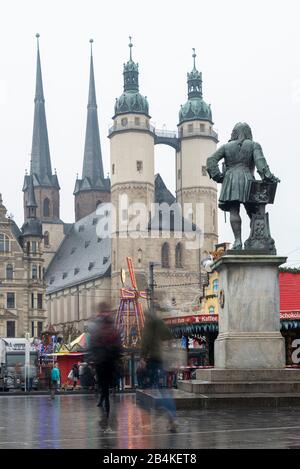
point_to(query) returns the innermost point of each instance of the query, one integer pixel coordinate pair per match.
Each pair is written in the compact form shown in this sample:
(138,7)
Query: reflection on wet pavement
(73,422)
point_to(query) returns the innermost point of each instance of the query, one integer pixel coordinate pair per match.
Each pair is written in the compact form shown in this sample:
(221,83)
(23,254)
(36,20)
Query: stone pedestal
(249,321)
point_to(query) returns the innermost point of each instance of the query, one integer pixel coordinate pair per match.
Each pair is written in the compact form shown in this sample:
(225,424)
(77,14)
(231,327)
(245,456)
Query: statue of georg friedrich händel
(241,156)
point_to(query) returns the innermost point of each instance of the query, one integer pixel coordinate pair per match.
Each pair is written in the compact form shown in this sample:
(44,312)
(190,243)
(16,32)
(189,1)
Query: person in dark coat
(105,351)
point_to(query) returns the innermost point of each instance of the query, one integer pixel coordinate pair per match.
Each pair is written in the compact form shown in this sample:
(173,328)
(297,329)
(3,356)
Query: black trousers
(104,378)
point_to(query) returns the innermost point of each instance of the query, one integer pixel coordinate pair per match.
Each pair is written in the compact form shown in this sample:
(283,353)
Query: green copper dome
(131,100)
(195,107)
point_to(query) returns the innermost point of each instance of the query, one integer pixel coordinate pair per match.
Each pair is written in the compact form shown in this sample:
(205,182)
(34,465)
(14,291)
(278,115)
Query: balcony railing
(129,126)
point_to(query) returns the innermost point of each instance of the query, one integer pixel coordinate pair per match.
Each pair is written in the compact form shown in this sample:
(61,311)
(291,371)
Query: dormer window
(95,221)
(81,228)
(91,265)
(52,280)
(86,244)
(65,274)
(76,270)
(105,260)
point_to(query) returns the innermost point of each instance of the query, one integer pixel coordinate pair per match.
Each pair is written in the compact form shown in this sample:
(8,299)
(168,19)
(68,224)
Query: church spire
(40,153)
(194,81)
(131,72)
(92,162)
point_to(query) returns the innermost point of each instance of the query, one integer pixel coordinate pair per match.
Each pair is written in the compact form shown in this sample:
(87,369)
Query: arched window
(140,257)
(216,286)
(165,256)
(46,239)
(211,310)
(46,207)
(9,272)
(178,256)
(4,243)
(34,272)
(28,248)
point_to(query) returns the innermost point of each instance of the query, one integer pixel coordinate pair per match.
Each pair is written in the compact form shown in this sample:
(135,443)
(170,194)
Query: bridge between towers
(167,137)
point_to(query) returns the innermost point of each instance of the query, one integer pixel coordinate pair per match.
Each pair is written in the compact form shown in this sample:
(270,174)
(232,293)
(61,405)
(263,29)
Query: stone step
(207,387)
(151,399)
(244,375)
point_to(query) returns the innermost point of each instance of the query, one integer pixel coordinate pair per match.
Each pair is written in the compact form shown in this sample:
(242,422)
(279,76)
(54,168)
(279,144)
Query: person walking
(55,379)
(74,375)
(155,335)
(105,351)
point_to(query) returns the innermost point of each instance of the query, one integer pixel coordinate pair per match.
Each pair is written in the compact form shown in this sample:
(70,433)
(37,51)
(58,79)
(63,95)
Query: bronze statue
(241,156)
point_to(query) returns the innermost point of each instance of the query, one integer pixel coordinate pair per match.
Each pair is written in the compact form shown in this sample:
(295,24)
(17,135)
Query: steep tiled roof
(81,256)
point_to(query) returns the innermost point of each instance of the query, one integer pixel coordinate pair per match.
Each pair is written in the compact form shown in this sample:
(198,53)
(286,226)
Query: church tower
(92,189)
(132,168)
(45,183)
(198,141)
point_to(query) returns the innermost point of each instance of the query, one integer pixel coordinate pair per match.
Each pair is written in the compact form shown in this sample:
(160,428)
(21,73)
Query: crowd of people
(103,369)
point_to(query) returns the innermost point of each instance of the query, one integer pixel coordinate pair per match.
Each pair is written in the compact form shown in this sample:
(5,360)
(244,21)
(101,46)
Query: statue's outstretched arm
(262,166)
(213,167)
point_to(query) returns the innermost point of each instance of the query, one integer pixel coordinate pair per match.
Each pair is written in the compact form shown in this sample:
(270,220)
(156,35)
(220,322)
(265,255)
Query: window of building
(86,244)
(39,328)
(81,228)
(52,280)
(211,310)
(137,121)
(10,329)
(9,272)
(46,239)
(105,260)
(99,239)
(113,168)
(204,171)
(139,166)
(179,173)
(32,328)
(28,248)
(10,300)
(76,270)
(32,300)
(4,243)
(33,247)
(46,207)
(40,300)
(202,127)
(91,265)
(190,128)
(34,272)
(124,121)
(64,275)
(165,256)
(95,221)
(215,286)
(178,256)
(140,256)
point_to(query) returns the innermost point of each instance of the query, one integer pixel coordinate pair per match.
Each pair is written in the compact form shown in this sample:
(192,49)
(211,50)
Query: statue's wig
(241,132)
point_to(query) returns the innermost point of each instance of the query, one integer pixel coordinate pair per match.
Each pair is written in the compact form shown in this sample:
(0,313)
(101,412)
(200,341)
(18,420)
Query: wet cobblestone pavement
(73,422)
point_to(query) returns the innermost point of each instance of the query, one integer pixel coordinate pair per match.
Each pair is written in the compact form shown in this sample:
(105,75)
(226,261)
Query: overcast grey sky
(248,53)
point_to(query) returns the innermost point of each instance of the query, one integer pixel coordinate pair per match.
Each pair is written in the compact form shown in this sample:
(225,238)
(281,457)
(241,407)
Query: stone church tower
(93,188)
(198,141)
(46,186)
(132,172)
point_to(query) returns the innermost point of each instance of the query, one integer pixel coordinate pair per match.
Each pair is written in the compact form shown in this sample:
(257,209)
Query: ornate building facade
(149,222)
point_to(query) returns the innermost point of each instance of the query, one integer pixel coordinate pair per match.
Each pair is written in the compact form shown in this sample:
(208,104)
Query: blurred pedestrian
(155,334)
(105,351)
(74,375)
(55,379)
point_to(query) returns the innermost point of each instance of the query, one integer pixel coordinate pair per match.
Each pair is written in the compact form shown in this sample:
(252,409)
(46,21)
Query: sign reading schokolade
(241,157)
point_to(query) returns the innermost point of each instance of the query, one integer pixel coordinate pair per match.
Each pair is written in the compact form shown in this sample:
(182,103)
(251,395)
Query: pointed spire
(92,163)
(40,153)
(131,72)
(92,90)
(31,205)
(194,80)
